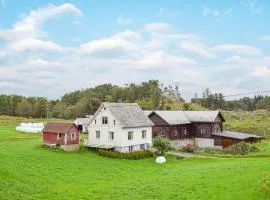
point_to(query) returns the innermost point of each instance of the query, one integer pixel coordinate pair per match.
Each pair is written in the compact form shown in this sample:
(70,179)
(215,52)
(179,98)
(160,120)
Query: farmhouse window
(104,120)
(97,134)
(130,148)
(95,121)
(143,134)
(202,130)
(111,136)
(73,136)
(113,122)
(130,135)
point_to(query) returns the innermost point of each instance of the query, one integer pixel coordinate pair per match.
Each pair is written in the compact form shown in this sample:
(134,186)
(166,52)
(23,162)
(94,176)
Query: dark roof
(57,127)
(236,135)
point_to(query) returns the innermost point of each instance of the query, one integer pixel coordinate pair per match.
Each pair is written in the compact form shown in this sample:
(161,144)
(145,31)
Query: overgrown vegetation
(241,148)
(130,156)
(265,186)
(162,145)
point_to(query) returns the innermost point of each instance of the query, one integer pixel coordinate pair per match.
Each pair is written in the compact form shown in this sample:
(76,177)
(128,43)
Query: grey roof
(236,135)
(202,116)
(129,114)
(174,117)
(82,121)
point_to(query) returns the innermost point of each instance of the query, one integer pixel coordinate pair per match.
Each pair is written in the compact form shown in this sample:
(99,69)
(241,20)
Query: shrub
(137,155)
(265,186)
(189,148)
(241,148)
(212,151)
(162,145)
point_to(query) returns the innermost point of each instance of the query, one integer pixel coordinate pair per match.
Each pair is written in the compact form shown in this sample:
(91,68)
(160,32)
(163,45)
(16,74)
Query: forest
(149,95)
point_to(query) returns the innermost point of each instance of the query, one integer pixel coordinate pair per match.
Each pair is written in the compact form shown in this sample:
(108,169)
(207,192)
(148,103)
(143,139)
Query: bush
(241,148)
(189,148)
(137,155)
(212,151)
(162,145)
(265,186)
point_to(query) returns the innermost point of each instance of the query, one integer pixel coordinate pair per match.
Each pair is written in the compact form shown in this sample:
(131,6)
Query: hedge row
(130,156)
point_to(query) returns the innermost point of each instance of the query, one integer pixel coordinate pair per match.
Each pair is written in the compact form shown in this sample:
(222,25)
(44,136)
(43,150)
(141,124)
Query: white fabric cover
(161,159)
(30,127)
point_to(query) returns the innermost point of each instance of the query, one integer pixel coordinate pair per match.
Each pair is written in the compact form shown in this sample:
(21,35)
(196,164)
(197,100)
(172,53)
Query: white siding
(120,142)
(204,142)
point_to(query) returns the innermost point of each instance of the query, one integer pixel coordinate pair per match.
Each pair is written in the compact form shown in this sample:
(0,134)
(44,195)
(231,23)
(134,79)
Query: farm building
(64,135)
(120,126)
(187,127)
(82,123)
(228,138)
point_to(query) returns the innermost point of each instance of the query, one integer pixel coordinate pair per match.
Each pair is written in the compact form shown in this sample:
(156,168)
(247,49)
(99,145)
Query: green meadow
(28,171)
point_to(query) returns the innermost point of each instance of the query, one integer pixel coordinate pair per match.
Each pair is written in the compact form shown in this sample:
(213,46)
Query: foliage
(137,155)
(265,186)
(28,171)
(162,145)
(189,148)
(241,148)
(209,151)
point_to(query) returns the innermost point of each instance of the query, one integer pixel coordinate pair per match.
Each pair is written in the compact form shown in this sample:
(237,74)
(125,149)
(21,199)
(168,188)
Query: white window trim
(104,120)
(144,134)
(131,135)
(202,130)
(73,134)
(110,135)
(97,138)
(59,135)
(185,131)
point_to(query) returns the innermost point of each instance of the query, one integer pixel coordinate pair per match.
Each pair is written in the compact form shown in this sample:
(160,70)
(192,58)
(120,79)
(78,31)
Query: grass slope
(256,122)
(28,171)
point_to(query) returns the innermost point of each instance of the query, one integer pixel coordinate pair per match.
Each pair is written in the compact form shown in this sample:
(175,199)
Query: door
(226,142)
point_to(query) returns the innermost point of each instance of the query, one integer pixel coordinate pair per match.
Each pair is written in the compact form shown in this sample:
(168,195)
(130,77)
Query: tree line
(151,95)
(215,101)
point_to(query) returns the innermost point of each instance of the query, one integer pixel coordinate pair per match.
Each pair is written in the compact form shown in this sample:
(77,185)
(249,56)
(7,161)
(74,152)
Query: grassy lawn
(28,171)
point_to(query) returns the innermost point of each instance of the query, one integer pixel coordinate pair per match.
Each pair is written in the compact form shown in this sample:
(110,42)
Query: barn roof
(174,117)
(57,127)
(203,116)
(187,117)
(236,135)
(128,114)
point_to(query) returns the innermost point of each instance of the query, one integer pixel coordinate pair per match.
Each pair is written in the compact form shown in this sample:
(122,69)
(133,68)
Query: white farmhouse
(120,126)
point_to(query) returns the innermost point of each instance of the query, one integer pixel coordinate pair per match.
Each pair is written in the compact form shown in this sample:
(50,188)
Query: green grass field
(28,171)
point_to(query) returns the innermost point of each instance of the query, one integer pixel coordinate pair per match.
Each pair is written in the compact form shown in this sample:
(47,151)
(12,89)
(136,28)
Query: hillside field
(28,171)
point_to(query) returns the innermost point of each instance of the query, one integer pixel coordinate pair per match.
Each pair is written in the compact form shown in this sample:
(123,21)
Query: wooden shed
(63,135)
(227,138)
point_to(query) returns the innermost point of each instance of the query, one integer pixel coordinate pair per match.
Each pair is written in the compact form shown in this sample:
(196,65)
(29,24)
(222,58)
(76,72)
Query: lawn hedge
(130,156)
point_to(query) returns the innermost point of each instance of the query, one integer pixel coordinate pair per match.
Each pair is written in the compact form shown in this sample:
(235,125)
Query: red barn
(64,135)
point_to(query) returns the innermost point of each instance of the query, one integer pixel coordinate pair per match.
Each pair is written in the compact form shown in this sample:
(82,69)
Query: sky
(48,48)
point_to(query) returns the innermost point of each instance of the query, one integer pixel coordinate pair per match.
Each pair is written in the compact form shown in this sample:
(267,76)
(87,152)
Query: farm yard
(28,171)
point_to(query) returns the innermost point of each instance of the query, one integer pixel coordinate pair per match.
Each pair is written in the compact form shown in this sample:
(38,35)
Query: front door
(226,142)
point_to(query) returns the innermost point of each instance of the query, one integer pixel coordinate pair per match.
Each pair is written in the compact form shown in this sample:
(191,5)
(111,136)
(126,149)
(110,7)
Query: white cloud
(252,5)
(208,11)
(238,49)
(263,72)
(264,38)
(197,49)
(158,26)
(123,21)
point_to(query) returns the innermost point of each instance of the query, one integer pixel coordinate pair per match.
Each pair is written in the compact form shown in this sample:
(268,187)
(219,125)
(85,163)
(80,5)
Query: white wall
(204,142)
(120,134)
(178,144)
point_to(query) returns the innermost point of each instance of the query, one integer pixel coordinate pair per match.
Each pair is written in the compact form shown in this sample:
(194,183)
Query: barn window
(59,136)
(97,134)
(175,133)
(73,136)
(130,135)
(202,130)
(143,134)
(185,131)
(162,133)
(111,137)
(104,120)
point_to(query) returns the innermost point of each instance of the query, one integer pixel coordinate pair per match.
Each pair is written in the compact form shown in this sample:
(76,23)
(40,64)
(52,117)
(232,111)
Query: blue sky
(52,47)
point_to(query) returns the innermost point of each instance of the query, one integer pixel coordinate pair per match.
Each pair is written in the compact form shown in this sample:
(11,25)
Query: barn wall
(51,138)
(75,130)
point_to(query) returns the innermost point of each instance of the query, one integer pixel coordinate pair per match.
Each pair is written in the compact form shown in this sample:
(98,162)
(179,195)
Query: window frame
(203,130)
(105,119)
(111,133)
(130,137)
(98,132)
(73,136)
(144,134)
